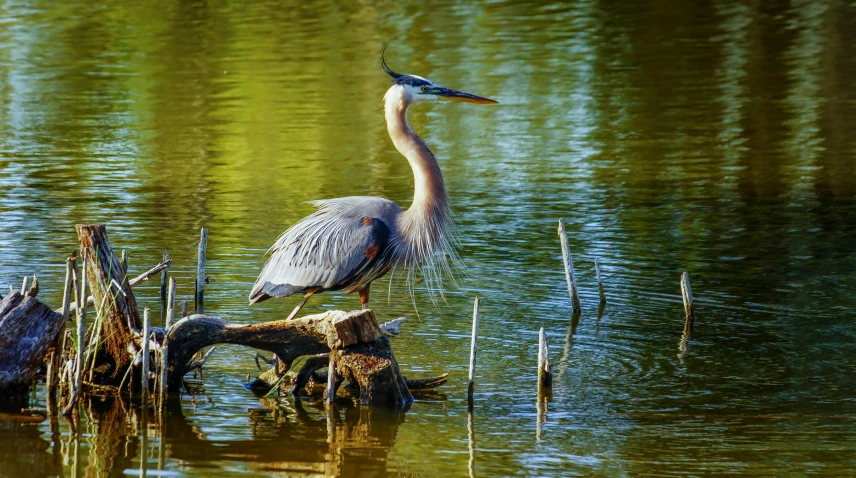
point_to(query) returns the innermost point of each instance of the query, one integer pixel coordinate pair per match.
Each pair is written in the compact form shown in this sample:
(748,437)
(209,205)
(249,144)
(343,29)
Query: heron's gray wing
(326,250)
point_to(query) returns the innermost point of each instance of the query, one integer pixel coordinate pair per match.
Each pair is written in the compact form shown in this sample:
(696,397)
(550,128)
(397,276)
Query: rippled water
(714,138)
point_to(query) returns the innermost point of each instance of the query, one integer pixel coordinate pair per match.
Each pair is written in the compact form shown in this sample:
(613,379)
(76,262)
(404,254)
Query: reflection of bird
(351,241)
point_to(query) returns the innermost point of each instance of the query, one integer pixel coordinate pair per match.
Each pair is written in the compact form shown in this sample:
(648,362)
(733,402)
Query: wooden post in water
(687,294)
(545,370)
(170,311)
(330,394)
(599,282)
(200,271)
(473,352)
(163,276)
(146,331)
(59,343)
(81,337)
(569,268)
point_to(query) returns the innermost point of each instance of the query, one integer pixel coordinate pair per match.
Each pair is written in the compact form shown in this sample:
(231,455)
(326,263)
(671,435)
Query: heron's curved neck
(430,200)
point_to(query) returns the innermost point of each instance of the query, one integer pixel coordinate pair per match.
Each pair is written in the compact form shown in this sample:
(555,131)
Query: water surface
(712,138)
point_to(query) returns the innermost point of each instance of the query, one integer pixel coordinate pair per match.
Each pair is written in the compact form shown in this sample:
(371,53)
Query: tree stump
(27,331)
(114,301)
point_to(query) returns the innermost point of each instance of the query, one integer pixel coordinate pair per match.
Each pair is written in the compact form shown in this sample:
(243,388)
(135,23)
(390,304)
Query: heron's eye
(425,89)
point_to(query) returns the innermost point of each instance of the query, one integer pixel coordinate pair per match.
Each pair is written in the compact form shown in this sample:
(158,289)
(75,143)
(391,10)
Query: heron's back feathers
(342,246)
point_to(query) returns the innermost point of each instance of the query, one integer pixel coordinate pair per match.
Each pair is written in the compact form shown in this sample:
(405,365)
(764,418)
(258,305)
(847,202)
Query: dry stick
(687,294)
(599,282)
(200,271)
(473,352)
(170,311)
(183,309)
(199,363)
(545,370)
(145,374)
(569,267)
(163,266)
(59,344)
(24,285)
(164,274)
(81,334)
(330,395)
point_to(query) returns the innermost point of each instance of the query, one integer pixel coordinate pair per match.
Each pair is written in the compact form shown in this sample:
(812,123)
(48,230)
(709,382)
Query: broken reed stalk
(599,282)
(59,343)
(92,350)
(81,337)
(687,295)
(170,311)
(200,271)
(146,331)
(473,352)
(24,286)
(569,267)
(545,370)
(164,274)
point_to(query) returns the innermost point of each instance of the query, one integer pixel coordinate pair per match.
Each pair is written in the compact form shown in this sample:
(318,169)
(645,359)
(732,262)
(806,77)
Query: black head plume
(401,78)
(394,75)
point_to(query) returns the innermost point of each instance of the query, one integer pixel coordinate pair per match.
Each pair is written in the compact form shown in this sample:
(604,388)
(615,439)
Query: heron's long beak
(461,96)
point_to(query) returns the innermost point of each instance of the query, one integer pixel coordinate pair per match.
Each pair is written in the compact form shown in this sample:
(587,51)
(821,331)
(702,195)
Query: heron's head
(419,90)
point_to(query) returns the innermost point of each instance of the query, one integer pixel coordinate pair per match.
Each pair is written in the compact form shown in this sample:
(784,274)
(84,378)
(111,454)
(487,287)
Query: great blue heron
(349,242)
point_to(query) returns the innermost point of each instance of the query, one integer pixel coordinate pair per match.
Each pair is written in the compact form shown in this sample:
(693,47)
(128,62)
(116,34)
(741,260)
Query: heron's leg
(364,296)
(301,304)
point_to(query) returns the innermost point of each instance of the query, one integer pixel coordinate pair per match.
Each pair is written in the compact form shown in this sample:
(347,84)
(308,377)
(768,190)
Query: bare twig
(200,271)
(197,365)
(545,370)
(146,331)
(599,283)
(81,337)
(569,267)
(163,266)
(473,352)
(687,295)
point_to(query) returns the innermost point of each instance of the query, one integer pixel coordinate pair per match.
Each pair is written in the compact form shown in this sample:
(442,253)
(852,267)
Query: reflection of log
(27,331)
(364,356)
(113,298)
(23,449)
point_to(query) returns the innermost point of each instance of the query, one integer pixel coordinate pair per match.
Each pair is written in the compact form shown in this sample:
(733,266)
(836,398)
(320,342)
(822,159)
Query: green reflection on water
(714,138)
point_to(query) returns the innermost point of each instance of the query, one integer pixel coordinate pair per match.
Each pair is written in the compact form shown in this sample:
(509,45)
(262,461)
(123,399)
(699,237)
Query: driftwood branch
(358,345)
(310,335)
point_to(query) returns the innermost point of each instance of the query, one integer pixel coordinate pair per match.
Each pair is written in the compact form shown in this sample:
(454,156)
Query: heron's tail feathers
(268,290)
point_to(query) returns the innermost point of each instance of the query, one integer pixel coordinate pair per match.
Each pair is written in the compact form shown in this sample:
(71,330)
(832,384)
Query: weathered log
(109,286)
(309,335)
(362,352)
(27,331)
